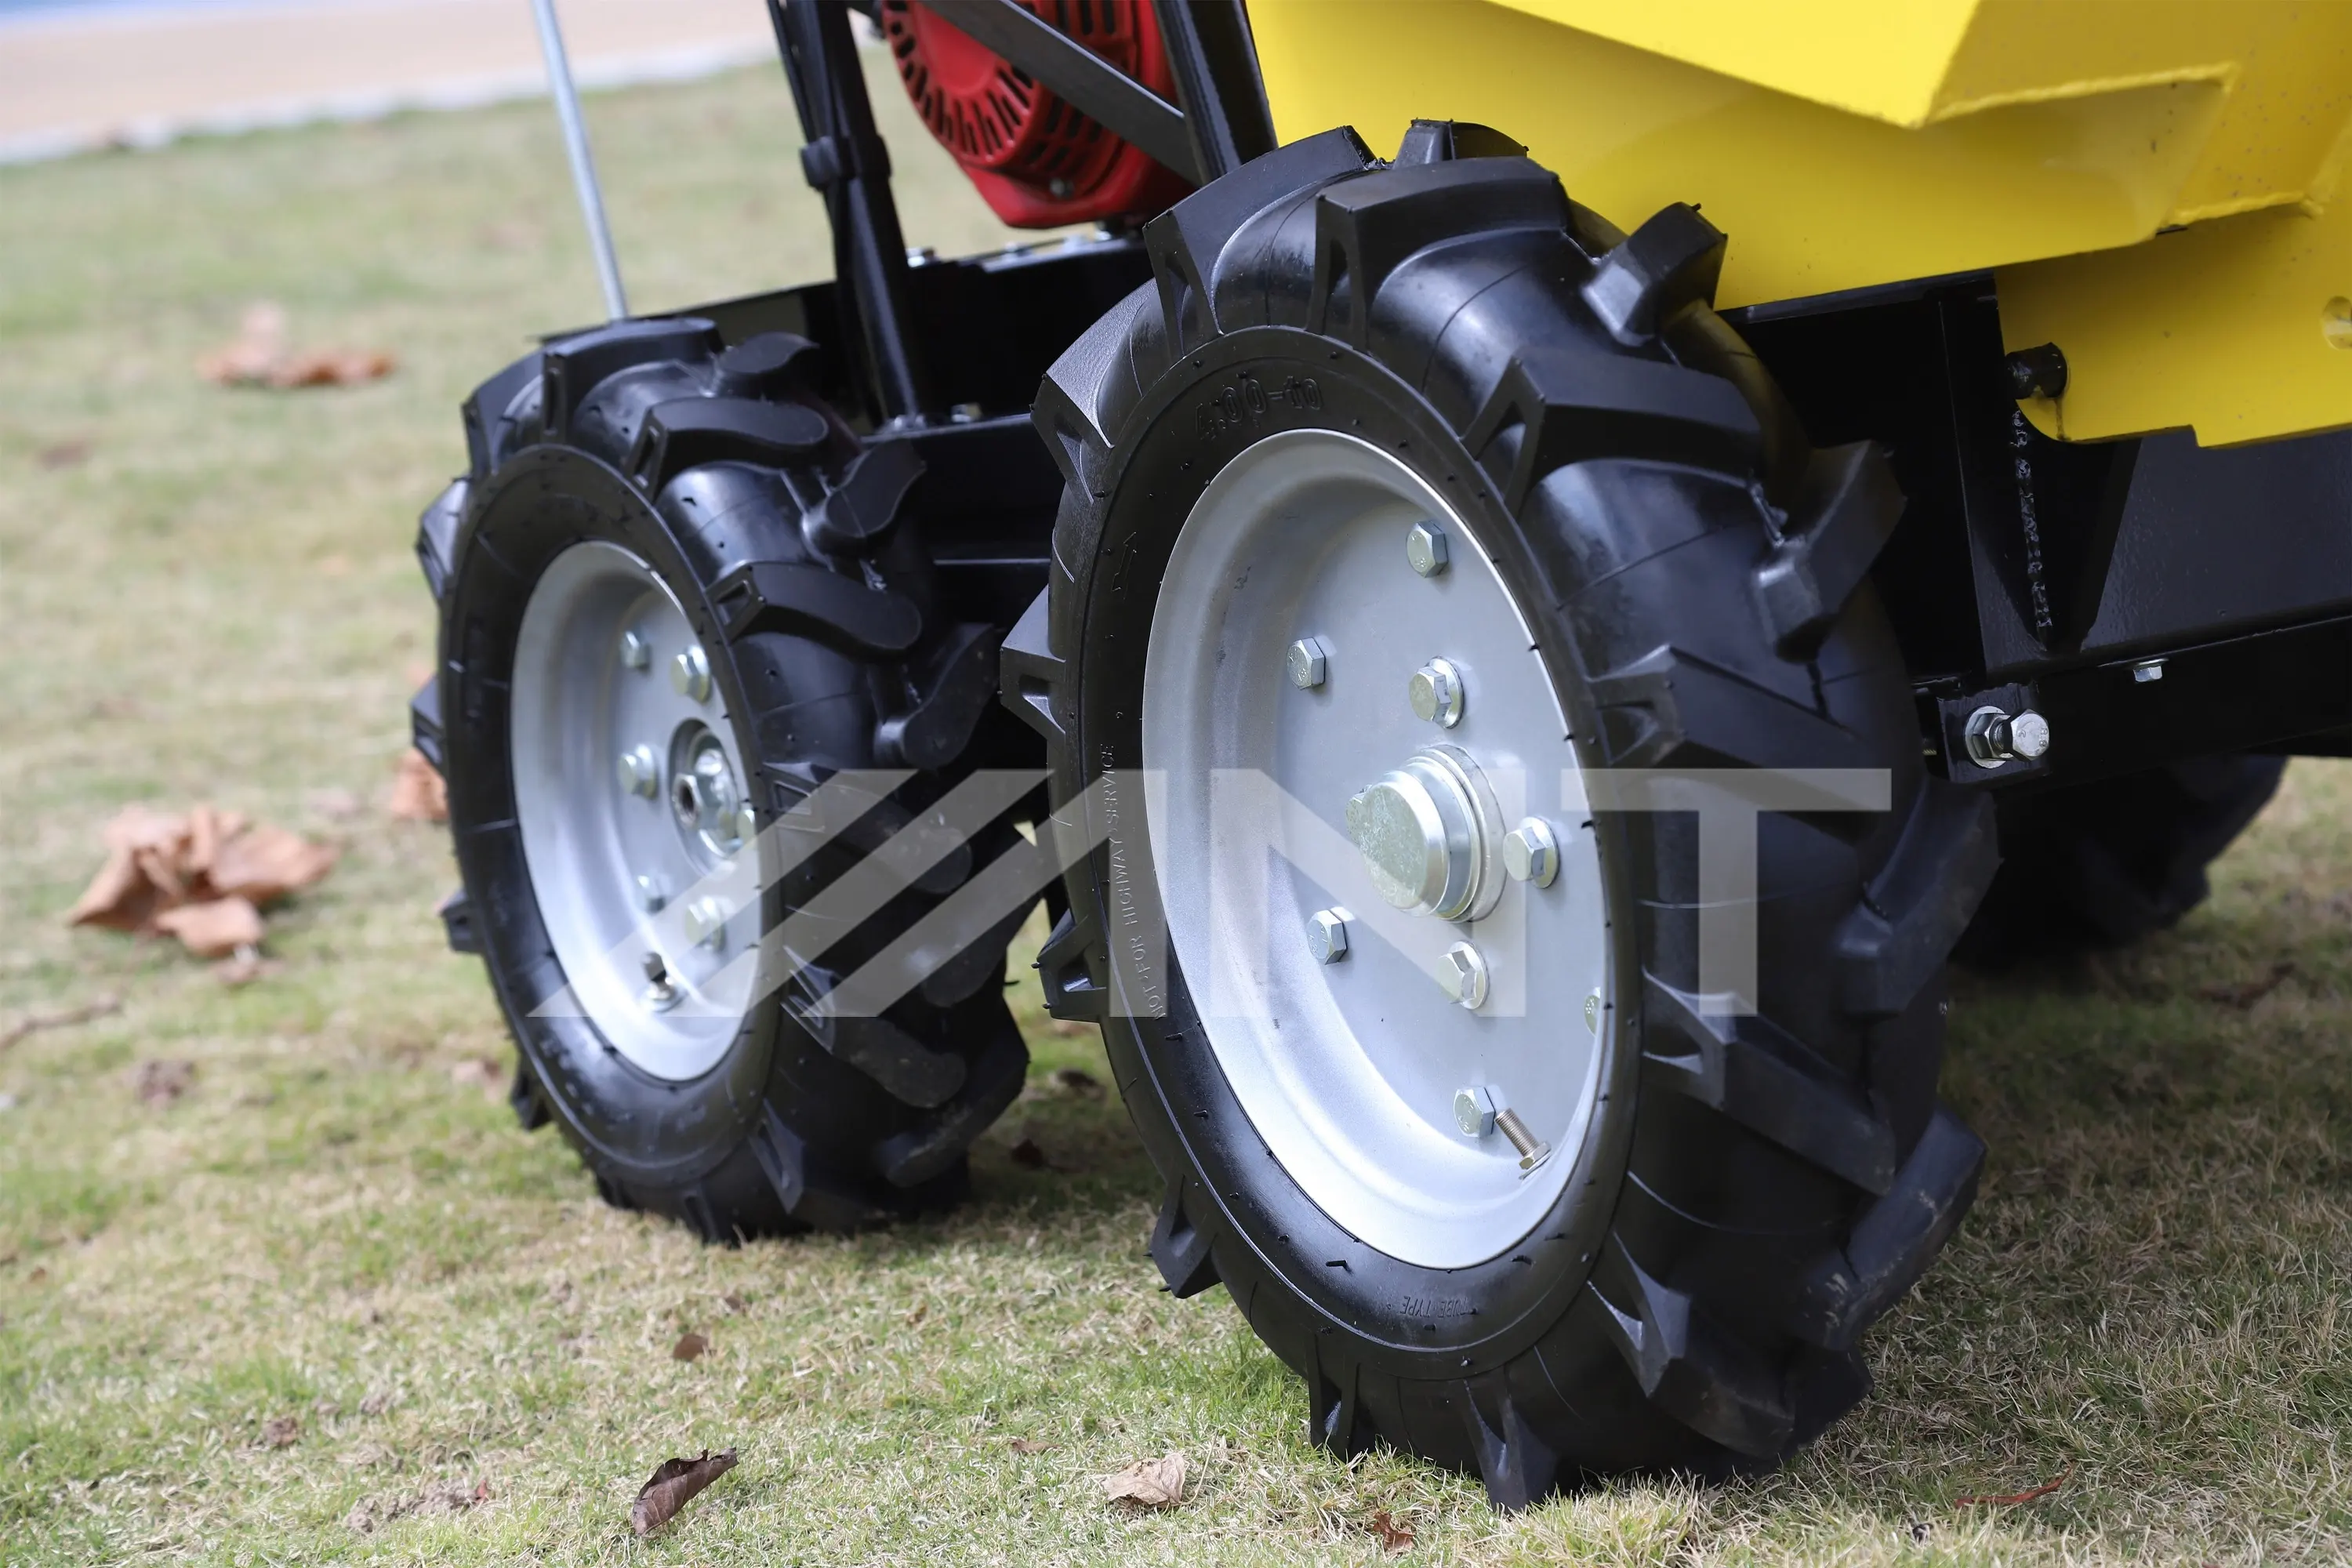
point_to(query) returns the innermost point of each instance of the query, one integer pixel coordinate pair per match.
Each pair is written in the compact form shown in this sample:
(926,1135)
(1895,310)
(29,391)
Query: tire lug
(636,652)
(640,774)
(1327,935)
(689,673)
(1530,853)
(1424,549)
(1435,693)
(1462,971)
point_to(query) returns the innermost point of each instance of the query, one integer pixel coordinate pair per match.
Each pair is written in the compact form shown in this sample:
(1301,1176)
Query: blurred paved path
(72,81)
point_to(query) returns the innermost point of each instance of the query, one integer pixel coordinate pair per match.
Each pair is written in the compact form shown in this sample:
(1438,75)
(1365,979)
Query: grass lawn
(209,594)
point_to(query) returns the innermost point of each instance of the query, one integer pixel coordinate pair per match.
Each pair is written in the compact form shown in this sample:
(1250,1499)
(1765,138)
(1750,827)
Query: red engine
(1039,163)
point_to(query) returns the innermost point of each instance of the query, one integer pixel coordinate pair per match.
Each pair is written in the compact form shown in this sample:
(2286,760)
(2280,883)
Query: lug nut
(1462,971)
(2147,670)
(1533,1151)
(636,652)
(690,672)
(1327,935)
(1530,853)
(653,894)
(1995,737)
(1435,693)
(1425,548)
(640,774)
(661,991)
(706,923)
(1308,660)
(1474,1111)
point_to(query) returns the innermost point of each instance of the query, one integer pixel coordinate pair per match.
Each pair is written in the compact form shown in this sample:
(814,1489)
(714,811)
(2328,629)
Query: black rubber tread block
(1334,1418)
(808,1192)
(1689,1368)
(1365,227)
(978,963)
(1185,243)
(1075,990)
(1518,1467)
(1749,1068)
(456,912)
(1028,673)
(957,683)
(686,432)
(1915,910)
(531,1111)
(1896,1239)
(1822,1387)
(1087,394)
(911,1159)
(1442,140)
(858,513)
(768,363)
(426,732)
(1668,264)
(1181,1248)
(825,607)
(436,534)
(571,369)
(1554,407)
(910,1070)
(494,425)
(1845,514)
(1668,708)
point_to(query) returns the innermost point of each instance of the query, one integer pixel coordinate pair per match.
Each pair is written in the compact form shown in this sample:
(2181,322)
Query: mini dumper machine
(1508,715)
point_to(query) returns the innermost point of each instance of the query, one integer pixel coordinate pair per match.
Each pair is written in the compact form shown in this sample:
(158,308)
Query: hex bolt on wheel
(1474,1111)
(1995,737)
(1307,660)
(635,651)
(640,774)
(1424,549)
(1434,693)
(1531,854)
(689,674)
(1533,1151)
(1462,971)
(1327,935)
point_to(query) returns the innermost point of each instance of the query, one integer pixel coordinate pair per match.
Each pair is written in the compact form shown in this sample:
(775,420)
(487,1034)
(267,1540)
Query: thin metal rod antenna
(584,167)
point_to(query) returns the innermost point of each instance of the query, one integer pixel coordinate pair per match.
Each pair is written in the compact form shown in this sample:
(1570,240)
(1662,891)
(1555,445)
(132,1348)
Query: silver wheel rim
(629,798)
(1349,1069)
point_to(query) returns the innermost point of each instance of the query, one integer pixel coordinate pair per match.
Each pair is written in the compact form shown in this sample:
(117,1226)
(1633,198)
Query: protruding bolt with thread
(1995,737)
(1424,549)
(1435,693)
(1530,853)
(1308,662)
(640,774)
(636,652)
(706,923)
(661,991)
(690,672)
(1533,1151)
(1327,935)
(1462,970)
(1474,1111)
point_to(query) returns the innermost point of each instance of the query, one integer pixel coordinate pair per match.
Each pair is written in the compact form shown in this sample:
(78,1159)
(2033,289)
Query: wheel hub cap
(1426,831)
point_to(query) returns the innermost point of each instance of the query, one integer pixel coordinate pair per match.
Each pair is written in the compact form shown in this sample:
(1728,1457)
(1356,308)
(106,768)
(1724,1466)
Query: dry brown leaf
(417,792)
(1030,1156)
(213,929)
(1078,1081)
(1149,1483)
(32,1022)
(70,453)
(922,1310)
(263,864)
(331,367)
(258,356)
(1030,1446)
(673,1485)
(282,1431)
(375,1404)
(1394,1537)
(455,1498)
(160,1082)
(689,1347)
(480,1072)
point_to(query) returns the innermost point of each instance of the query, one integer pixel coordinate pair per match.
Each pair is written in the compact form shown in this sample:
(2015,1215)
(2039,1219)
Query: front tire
(1729,1199)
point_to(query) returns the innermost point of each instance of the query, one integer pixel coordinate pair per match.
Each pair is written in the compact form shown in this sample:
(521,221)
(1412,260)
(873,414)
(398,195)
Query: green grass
(219,603)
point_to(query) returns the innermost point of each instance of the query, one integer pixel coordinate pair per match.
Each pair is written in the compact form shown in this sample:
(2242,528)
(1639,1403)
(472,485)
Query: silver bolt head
(1462,971)
(1308,660)
(747,824)
(1593,1012)
(1474,1111)
(661,993)
(1435,693)
(640,774)
(706,923)
(636,653)
(2029,735)
(689,673)
(1530,853)
(1424,549)
(652,895)
(1327,935)
(2147,670)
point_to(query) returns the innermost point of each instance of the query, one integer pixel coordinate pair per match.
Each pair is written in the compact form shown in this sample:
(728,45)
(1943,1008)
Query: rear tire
(637,495)
(1746,1193)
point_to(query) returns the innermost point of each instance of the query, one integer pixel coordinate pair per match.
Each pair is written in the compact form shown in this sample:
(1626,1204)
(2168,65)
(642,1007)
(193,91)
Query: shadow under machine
(1350,583)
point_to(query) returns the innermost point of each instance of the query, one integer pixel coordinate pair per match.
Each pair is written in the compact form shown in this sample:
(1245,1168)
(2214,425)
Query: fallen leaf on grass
(417,792)
(282,1431)
(1030,1157)
(734,1300)
(673,1485)
(163,1081)
(689,1347)
(33,1023)
(1078,1081)
(2248,993)
(213,929)
(375,1404)
(1030,1446)
(202,876)
(455,1498)
(66,454)
(922,1310)
(480,1072)
(2011,1500)
(258,356)
(1149,1483)
(1394,1537)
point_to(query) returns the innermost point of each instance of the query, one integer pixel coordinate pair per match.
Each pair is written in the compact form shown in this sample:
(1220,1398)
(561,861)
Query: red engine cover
(1039,163)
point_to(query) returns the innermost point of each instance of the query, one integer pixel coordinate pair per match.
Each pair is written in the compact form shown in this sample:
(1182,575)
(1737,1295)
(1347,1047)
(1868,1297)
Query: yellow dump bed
(2151,182)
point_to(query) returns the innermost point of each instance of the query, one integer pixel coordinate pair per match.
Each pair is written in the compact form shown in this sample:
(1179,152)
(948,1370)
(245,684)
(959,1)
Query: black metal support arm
(1075,74)
(1214,60)
(844,158)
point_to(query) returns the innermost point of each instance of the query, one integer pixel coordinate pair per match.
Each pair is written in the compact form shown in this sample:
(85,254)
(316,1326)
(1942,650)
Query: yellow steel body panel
(1843,143)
